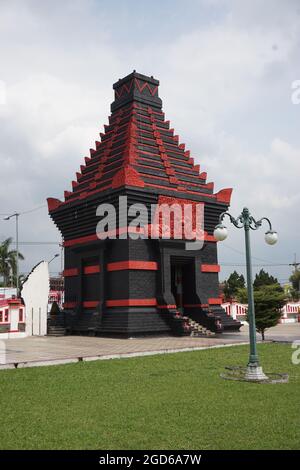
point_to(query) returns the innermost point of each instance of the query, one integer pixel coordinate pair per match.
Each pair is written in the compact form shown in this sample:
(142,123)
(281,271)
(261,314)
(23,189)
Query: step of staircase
(228,322)
(199,330)
(56,331)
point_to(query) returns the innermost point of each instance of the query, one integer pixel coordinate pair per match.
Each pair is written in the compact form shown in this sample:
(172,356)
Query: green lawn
(174,401)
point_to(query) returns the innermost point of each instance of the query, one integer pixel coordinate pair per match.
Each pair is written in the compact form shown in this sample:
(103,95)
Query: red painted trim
(166,306)
(77,241)
(53,203)
(215,301)
(127,176)
(90,303)
(69,304)
(14,331)
(14,301)
(197,305)
(224,195)
(131,303)
(91,269)
(70,272)
(210,268)
(209,238)
(89,238)
(210,196)
(124,265)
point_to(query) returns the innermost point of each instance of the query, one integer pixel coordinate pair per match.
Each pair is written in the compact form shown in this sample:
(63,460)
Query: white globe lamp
(220,233)
(271,237)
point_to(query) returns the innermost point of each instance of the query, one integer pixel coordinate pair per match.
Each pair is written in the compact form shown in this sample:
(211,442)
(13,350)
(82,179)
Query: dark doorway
(177,285)
(182,282)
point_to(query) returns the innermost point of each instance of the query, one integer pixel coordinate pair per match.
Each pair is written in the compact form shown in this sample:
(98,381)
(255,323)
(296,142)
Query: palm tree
(8,262)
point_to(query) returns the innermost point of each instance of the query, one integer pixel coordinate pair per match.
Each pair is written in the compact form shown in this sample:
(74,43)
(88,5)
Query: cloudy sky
(226,69)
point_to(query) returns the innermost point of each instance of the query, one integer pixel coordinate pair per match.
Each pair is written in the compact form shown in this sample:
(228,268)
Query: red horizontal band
(209,238)
(91,269)
(115,234)
(122,265)
(166,306)
(69,304)
(131,303)
(77,241)
(70,272)
(210,268)
(90,303)
(216,301)
(97,236)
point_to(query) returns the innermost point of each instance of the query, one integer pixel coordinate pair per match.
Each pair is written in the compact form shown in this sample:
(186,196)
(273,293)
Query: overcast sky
(226,69)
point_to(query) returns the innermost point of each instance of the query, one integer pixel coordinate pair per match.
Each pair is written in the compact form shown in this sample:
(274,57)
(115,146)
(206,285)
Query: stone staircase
(56,330)
(199,330)
(55,325)
(228,323)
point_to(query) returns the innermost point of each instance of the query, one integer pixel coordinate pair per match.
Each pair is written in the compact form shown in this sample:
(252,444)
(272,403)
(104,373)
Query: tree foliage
(268,302)
(233,284)
(264,279)
(8,263)
(295,280)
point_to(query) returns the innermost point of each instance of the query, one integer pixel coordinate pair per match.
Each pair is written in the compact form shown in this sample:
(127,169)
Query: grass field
(174,401)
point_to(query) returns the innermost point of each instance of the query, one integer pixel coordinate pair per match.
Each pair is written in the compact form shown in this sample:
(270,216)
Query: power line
(33,210)
(36,243)
(243,254)
(254,265)
(39,243)
(25,212)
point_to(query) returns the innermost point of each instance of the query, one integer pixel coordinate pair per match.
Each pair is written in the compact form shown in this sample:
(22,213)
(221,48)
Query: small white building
(291,312)
(236,310)
(12,318)
(7,292)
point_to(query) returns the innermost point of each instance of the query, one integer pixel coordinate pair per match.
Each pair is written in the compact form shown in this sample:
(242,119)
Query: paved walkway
(34,351)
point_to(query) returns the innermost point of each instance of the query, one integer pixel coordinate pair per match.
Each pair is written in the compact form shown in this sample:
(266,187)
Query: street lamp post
(16,215)
(247,222)
(55,256)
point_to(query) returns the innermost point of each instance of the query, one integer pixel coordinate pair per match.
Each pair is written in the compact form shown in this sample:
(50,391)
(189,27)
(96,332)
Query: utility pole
(296,265)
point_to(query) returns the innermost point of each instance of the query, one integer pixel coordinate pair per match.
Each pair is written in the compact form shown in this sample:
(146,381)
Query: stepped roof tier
(139,150)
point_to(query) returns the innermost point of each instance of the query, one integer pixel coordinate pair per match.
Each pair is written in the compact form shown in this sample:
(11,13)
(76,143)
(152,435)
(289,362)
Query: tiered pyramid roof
(138,149)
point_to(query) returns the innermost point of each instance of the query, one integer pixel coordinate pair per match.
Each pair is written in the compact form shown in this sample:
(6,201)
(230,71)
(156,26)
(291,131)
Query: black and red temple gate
(138,286)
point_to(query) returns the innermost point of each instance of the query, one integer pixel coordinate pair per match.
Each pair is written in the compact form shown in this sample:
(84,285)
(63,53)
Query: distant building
(56,293)
(7,292)
(291,312)
(238,311)
(55,296)
(57,283)
(26,316)
(12,318)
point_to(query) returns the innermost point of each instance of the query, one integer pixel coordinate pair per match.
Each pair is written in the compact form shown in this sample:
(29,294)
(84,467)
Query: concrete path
(36,351)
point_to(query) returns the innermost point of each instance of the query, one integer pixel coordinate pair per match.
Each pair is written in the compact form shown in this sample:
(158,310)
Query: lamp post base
(255,372)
